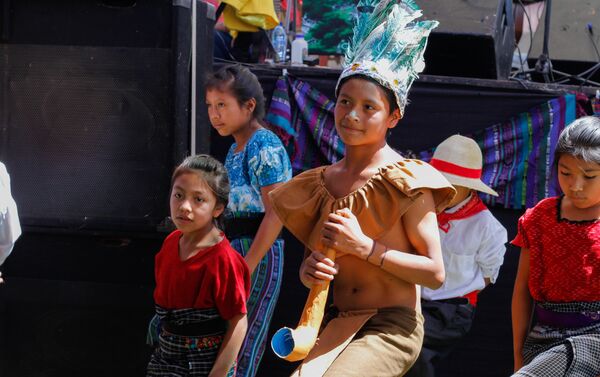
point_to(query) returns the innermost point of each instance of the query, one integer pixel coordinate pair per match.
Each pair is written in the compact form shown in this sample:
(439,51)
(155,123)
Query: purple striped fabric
(518,153)
(305,123)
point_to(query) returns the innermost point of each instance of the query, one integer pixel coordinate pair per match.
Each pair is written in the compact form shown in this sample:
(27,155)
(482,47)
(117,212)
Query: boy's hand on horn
(317,269)
(342,232)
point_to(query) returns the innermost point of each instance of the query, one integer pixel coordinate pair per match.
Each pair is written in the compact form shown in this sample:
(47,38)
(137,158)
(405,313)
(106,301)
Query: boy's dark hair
(241,83)
(580,139)
(212,171)
(389,95)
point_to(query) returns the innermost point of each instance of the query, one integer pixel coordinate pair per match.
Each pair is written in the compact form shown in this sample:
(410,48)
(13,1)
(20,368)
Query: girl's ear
(394,118)
(250,105)
(219,208)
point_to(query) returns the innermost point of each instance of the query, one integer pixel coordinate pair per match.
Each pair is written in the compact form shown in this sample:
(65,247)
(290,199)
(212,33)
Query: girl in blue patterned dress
(256,163)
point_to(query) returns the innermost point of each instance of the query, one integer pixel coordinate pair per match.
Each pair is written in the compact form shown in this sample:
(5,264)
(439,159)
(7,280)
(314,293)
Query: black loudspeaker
(95,101)
(475,38)
(570,37)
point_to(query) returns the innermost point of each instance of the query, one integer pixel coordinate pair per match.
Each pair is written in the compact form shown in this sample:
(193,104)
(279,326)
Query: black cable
(517,42)
(224,43)
(520,81)
(530,28)
(520,58)
(220,10)
(591,35)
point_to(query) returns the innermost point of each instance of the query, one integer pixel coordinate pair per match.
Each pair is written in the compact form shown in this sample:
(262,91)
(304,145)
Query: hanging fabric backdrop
(518,153)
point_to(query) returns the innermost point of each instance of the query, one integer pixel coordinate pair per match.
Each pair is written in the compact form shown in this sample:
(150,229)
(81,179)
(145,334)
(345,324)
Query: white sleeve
(10,229)
(490,255)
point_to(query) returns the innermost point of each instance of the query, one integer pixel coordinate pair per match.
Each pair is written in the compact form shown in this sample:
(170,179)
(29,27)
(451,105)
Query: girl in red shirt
(202,283)
(559,267)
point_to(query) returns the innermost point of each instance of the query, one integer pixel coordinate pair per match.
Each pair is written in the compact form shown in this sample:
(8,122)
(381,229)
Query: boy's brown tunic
(303,205)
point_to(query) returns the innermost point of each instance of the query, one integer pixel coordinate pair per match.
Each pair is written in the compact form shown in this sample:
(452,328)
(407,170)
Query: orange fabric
(303,204)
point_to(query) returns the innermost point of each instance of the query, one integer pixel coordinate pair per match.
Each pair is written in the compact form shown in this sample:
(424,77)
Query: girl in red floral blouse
(558,278)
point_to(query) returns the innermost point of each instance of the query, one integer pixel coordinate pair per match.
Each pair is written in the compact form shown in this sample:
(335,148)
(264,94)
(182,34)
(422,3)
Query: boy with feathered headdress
(374,209)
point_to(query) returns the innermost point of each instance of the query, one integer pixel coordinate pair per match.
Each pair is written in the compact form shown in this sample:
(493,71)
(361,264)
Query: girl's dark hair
(389,95)
(581,139)
(241,83)
(212,171)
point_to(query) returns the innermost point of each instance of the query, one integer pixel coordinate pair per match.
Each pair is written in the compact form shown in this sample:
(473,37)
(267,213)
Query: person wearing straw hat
(473,246)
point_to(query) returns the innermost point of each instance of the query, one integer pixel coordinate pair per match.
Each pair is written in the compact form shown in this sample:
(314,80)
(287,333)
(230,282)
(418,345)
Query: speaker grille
(85,133)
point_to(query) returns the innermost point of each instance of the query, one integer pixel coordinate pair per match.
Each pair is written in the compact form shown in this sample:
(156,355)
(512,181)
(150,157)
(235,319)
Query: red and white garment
(473,247)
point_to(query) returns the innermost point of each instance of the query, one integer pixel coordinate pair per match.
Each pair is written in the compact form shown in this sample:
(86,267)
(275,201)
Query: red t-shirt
(216,277)
(564,259)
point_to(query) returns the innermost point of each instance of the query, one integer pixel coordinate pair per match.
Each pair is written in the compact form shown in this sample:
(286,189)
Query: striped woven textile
(518,154)
(305,124)
(264,292)
(279,115)
(184,356)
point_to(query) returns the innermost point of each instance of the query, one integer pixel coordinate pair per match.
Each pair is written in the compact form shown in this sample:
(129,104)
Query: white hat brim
(472,183)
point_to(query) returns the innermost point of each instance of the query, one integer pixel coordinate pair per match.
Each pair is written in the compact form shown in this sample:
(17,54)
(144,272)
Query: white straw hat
(459,159)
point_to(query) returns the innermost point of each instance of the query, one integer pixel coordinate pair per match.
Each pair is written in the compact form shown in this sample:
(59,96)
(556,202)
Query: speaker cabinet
(95,103)
(475,38)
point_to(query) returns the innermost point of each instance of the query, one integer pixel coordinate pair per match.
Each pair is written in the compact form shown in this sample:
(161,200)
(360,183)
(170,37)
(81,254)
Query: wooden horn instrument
(295,344)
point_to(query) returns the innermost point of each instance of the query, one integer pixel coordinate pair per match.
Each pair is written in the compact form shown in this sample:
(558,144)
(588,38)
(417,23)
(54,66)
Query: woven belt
(212,326)
(566,320)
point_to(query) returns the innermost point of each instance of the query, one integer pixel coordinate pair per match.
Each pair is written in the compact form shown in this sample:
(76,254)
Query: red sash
(471,208)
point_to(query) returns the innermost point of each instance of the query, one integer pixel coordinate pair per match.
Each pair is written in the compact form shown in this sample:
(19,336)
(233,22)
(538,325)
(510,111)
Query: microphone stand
(543,64)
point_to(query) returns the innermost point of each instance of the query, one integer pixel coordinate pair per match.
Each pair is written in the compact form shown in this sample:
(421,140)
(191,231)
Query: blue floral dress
(262,162)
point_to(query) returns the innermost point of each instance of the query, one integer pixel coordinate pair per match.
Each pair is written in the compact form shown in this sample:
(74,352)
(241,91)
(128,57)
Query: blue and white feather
(388,45)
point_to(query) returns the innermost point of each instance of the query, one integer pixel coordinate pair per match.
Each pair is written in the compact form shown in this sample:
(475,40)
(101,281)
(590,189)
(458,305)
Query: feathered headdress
(388,45)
